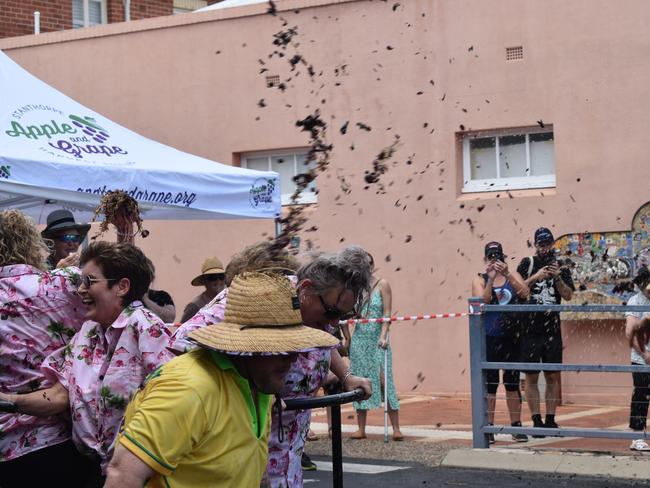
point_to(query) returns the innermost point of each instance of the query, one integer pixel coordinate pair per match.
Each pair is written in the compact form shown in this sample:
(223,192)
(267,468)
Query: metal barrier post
(337,448)
(477,356)
(333,401)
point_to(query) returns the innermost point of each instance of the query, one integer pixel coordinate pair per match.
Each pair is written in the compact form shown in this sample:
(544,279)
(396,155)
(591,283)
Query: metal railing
(334,402)
(479,366)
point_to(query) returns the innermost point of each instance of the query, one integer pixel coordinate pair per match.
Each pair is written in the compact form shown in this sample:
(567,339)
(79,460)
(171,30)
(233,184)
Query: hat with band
(262,317)
(543,236)
(62,220)
(493,249)
(210,266)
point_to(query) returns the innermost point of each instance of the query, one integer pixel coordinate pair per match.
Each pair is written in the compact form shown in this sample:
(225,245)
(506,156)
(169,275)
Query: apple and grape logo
(91,128)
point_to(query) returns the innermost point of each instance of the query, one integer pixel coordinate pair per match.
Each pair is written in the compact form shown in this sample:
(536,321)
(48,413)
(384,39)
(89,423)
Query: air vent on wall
(514,53)
(273,80)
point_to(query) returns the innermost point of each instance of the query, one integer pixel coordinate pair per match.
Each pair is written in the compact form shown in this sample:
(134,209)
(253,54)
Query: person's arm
(482,288)
(347,338)
(563,282)
(126,470)
(40,403)
(518,283)
(349,381)
(632,326)
(387,300)
(189,312)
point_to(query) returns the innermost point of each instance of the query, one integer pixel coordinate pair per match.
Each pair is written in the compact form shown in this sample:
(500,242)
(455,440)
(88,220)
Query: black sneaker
(550,424)
(307,464)
(519,437)
(491,439)
(538,423)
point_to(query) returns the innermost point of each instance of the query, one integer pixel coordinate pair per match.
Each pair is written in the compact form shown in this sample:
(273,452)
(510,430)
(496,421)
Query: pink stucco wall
(193,82)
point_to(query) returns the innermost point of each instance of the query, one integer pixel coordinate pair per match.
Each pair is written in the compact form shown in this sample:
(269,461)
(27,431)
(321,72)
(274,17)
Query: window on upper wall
(288,164)
(511,159)
(86,13)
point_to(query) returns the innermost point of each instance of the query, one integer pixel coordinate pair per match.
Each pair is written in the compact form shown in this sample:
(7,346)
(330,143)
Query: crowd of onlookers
(99,386)
(536,337)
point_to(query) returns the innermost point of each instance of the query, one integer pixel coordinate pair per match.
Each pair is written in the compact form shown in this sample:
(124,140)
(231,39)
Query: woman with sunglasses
(39,313)
(369,349)
(119,344)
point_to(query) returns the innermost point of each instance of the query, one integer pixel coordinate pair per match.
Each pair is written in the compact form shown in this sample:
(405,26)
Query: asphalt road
(360,473)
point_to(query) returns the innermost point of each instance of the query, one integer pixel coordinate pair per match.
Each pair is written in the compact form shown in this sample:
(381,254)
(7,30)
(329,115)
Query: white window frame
(86,9)
(498,183)
(307,196)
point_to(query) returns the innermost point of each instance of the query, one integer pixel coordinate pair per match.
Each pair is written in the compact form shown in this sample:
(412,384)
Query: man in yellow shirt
(202,419)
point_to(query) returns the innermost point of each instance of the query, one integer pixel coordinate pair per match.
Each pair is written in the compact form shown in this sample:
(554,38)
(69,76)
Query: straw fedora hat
(262,317)
(210,266)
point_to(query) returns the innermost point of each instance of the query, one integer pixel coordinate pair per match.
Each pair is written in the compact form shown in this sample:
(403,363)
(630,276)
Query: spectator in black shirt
(541,340)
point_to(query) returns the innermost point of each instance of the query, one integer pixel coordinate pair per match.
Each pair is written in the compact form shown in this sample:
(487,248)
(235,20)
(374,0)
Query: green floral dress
(367,358)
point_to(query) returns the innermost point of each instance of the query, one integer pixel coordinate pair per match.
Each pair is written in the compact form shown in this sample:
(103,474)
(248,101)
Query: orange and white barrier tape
(406,318)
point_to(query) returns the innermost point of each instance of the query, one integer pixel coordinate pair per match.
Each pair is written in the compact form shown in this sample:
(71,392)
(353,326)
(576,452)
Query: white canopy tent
(56,153)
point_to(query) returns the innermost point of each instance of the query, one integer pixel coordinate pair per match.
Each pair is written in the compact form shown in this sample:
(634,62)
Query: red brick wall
(140,9)
(17,16)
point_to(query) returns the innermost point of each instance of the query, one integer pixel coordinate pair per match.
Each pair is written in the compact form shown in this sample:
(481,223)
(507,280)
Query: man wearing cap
(66,234)
(213,278)
(202,419)
(541,340)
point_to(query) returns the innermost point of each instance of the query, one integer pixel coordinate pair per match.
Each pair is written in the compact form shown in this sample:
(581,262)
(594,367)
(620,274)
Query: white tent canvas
(57,153)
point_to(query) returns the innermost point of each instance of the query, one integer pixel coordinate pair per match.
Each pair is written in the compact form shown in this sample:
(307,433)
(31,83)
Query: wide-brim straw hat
(262,317)
(210,266)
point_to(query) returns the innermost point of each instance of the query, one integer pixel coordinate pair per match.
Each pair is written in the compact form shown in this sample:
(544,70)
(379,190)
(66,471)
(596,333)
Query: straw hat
(262,317)
(210,266)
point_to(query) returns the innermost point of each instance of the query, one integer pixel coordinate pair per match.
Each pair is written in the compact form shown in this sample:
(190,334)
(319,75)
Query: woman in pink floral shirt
(120,343)
(39,313)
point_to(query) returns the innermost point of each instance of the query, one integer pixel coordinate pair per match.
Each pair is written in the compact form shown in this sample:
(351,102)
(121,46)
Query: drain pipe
(127,10)
(37,22)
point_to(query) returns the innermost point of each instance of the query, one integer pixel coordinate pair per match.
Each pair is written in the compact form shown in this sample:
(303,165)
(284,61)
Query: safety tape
(406,318)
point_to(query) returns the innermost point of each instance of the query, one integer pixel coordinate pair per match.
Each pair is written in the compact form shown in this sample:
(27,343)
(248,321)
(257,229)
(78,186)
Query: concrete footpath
(437,432)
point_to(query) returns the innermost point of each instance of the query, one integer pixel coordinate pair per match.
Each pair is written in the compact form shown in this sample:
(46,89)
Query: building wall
(404,68)
(17,16)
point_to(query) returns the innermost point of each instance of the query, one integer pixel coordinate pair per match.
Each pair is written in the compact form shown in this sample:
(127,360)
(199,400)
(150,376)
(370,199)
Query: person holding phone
(500,286)
(541,335)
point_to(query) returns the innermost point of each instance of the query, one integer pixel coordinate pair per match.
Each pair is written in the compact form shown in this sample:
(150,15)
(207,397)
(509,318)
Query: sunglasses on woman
(69,238)
(87,281)
(331,312)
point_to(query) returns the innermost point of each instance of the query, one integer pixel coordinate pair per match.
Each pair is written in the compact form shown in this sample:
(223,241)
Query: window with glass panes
(287,164)
(508,160)
(86,13)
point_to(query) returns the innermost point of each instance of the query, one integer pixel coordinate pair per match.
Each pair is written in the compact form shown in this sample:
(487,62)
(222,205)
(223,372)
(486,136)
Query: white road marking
(360,468)
(321,428)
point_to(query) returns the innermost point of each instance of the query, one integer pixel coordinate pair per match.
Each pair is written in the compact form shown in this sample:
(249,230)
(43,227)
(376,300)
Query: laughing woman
(120,343)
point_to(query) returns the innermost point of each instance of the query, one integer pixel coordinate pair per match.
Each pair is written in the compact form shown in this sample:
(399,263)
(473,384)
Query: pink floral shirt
(101,369)
(212,313)
(39,313)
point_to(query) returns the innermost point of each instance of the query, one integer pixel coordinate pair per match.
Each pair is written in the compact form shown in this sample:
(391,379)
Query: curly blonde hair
(258,257)
(20,241)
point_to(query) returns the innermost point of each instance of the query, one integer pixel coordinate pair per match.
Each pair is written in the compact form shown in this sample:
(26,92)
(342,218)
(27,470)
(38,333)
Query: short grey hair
(350,268)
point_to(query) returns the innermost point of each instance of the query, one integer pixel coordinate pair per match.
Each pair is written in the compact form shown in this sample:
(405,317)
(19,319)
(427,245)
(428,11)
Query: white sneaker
(639,445)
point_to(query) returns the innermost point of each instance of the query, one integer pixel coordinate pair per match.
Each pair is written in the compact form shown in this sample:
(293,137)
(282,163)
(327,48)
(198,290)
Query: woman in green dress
(368,349)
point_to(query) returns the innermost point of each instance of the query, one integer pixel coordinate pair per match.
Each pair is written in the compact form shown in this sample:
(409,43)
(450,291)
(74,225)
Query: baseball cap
(543,236)
(493,249)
